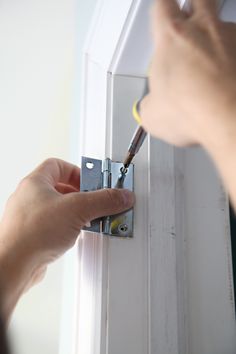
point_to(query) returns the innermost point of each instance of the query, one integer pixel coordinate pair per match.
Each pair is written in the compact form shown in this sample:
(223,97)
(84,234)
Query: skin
(191,101)
(192,96)
(42,220)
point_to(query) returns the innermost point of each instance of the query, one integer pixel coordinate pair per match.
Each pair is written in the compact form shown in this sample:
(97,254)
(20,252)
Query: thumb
(92,205)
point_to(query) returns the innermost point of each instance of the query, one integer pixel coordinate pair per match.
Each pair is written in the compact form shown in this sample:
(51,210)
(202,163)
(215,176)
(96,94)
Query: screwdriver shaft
(139,135)
(136,143)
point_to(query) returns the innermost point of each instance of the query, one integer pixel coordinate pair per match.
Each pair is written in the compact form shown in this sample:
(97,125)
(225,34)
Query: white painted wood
(211,313)
(164,334)
(135,47)
(169,289)
(92,247)
(99,48)
(128,311)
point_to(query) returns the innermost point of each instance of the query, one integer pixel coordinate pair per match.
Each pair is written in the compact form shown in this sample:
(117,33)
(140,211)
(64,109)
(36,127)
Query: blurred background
(40,73)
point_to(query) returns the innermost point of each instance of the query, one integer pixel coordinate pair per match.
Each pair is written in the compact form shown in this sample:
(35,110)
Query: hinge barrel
(106,173)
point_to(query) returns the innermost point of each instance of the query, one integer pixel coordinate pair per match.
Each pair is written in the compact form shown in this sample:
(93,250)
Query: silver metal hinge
(98,174)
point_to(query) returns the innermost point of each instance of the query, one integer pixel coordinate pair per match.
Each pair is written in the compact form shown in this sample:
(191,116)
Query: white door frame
(169,289)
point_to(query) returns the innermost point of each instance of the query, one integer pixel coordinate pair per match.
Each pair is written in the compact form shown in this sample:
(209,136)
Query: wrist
(16,272)
(221,146)
(220,141)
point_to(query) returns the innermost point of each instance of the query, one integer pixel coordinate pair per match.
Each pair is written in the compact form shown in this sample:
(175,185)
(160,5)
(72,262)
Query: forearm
(15,275)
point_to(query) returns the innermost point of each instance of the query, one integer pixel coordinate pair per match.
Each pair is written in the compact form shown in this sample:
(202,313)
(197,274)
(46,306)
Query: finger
(166,11)
(65,189)
(165,15)
(205,6)
(56,171)
(146,114)
(88,206)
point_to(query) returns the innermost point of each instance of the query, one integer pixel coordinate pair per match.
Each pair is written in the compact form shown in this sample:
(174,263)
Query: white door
(169,289)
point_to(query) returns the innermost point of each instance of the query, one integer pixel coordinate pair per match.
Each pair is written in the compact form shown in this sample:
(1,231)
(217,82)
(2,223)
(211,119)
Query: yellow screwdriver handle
(136,106)
(136,114)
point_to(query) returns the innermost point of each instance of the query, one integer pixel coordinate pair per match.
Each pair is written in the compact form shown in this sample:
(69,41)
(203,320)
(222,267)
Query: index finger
(167,10)
(55,171)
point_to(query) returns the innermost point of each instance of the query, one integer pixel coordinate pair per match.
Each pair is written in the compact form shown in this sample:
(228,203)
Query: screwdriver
(139,135)
(134,147)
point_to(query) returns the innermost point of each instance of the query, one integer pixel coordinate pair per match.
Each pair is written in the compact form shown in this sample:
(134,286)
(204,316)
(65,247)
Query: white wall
(40,72)
(37,77)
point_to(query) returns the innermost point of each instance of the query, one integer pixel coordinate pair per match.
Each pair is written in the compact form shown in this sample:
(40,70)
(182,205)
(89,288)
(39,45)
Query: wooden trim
(164,291)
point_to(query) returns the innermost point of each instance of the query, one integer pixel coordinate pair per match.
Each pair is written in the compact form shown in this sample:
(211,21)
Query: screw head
(123,228)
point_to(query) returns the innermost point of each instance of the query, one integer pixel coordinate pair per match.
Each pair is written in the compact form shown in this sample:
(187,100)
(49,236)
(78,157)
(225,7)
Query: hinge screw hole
(123,228)
(90,165)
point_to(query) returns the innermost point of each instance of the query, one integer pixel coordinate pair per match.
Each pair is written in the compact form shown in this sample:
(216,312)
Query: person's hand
(43,219)
(192,96)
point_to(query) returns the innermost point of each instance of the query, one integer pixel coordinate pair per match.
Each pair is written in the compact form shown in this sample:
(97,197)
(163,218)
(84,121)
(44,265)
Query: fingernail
(128,198)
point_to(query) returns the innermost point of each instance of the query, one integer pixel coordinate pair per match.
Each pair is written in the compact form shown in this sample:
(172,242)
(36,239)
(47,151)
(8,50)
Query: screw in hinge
(121,178)
(123,228)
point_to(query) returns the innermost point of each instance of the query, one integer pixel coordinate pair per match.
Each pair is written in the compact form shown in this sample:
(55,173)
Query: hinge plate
(98,174)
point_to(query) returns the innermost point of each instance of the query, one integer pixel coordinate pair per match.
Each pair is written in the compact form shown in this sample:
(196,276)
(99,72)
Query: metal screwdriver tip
(121,178)
(128,161)
(123,171)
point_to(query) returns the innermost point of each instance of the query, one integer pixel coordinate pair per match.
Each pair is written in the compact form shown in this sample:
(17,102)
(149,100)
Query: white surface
(85,11)
(37,51)
(132,56)
(99,49)
(168,290)
(211,312)
(167,329)
(127,260)
(89,282)
(36,322)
